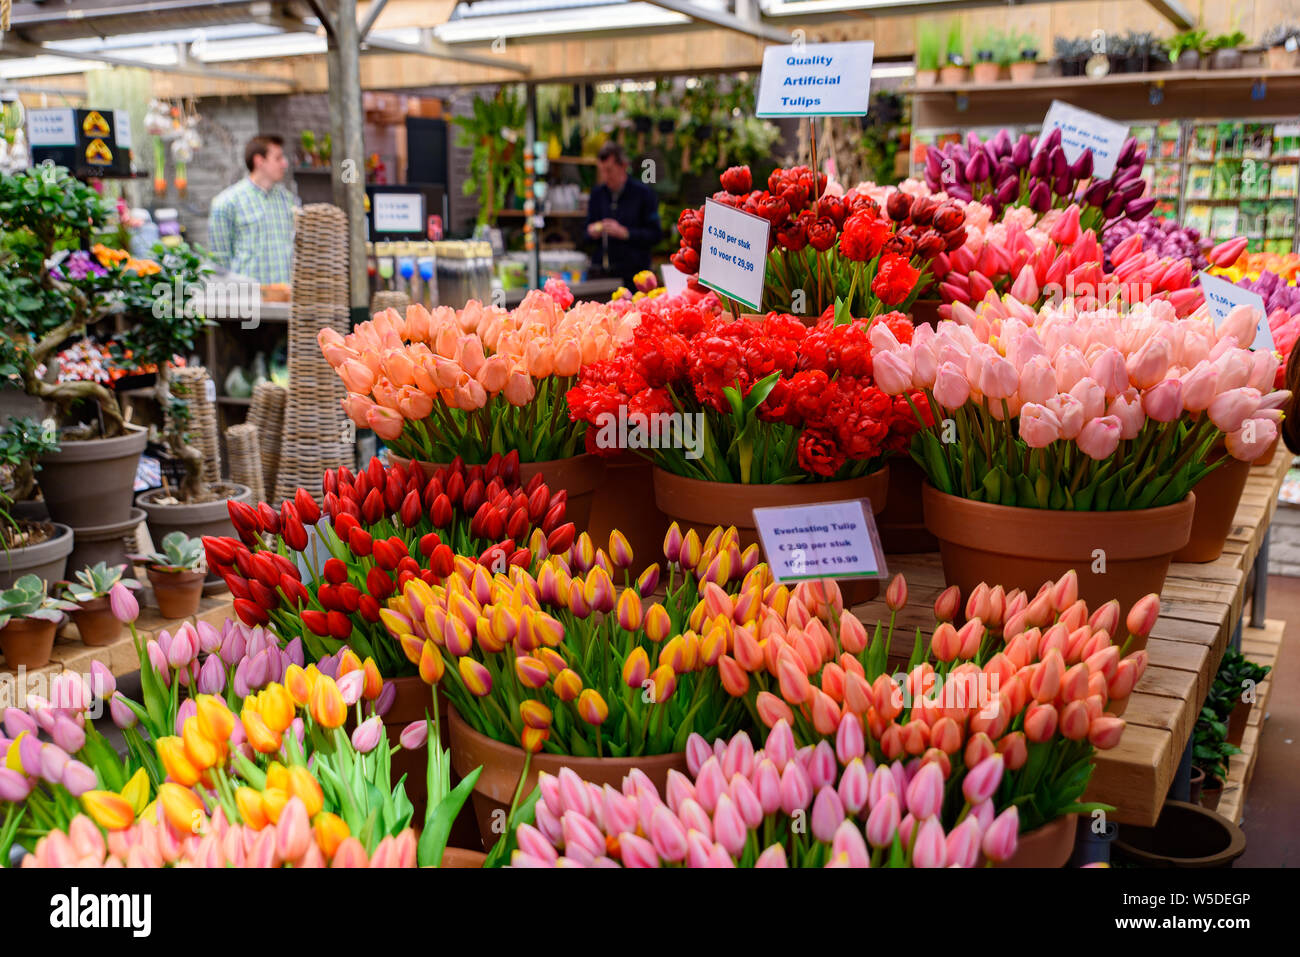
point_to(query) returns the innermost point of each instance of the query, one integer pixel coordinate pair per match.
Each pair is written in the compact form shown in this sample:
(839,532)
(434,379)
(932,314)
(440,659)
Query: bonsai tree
(22,443)
(166,328)
(27,598)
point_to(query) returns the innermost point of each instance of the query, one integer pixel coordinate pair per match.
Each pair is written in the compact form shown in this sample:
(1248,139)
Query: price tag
(733,254)
(816,79)
(399,212)
(825,540)
(122,129)
(674,279)
(1081,130)
(1222,297)
(210,390)
(51,128)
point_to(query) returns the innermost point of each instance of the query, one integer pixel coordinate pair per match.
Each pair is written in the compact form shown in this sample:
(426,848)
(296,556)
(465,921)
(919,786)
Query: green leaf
(438,821)
(524,814)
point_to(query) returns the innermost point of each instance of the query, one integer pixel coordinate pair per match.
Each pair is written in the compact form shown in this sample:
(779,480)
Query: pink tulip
(573,792)
(883,822)
(981,781)
(1037,380)
(929,848)
(1240,323)
(1039,428)
(618,811)
(78,778)
(697,752)
(822,769)
(212,676)
(962,848)
(710,784)
(1128,410)
(1230,409)
(999,842)
(53,760)
(998,379)
(849,845)
(855,786)
(796,789)
(772,857)
(892,372)
(1069,412)
(739,757)
(767,785)
(580,832)
(103,682)
(414,736)
(385,423)
(827,814)
(1252,439)
(367,735)
(729,827)
(1100,437)
(14,787)
(1025,288)
(779,746)
(925,792)
(1091,396)
(68,734)
(1200,386)
(951,387)
(121,714)
(1149,364)
(18,722)
(1070,367)
(668,835)
(1163,402)
(850,742)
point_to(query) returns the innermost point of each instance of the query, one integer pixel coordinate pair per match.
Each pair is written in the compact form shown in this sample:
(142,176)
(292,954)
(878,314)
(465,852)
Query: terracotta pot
(1195,784)
(503,764)
(926,78)
(581,475)
(1046,846)
(985,72)
(626,501)
(1024,547)
(1238,718)
(105,543)
(27,643)
(1211,792)
(925,312)
(902,522)
(178,593)
(205,518)
(952,75)
(92,482)
(95,622)
(703,505)
(1184,836)
(46,560)
(460,857)
(1279,58)
(1267,457)
(1217,496)
(1023,71)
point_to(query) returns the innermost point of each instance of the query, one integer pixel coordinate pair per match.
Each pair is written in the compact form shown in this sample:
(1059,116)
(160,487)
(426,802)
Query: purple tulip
(415,735)
(40,709)
(1040,197)
(1126,173)
(1003,171)
(1021,152)
(1140,157)
(188,709)
(233,645)
(1002,143)
(329,665)
(14,787)
(1133,188)
(1063,185)
(932,182)
(259,669)
(68,735)
(973,142)
(1053,140)
(240,680)
(299,730)
(1059,165)
(212,676)
(1082,167)
(294,649)
(977,170)
(1126,152)
(1140,207)
(960,192)
(103,682)
(29,754)
(1040,164)
(1097,193)
(53,761)
(1008,191)
(121,713)
(366,736)
(209,638)
(1113,206)
(16,722)
(78,778)
(387,695)
(933,162)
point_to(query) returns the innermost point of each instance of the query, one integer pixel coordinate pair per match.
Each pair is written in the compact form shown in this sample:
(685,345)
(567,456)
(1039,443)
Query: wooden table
(1200,610)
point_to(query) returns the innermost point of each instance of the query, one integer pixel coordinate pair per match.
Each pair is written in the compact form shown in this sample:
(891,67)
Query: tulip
(1104,732)
(366,736)
(925,792)
(929,848)
(981,781)
(667,835)
(999,843)
(123,603)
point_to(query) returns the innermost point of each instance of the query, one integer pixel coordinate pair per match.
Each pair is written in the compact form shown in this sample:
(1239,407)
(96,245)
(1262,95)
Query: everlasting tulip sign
(1222,297)
(825,540)
(733,254)
(1081,130)
(815,79)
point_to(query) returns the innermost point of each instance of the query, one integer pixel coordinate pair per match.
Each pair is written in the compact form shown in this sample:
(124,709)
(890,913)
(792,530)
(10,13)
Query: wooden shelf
(1164,77)
(1262,646)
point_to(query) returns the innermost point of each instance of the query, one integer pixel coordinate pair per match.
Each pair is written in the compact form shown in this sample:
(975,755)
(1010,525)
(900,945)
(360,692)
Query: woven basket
(267,413)
(316,435)
(191,384)
(389,299)
(244,446)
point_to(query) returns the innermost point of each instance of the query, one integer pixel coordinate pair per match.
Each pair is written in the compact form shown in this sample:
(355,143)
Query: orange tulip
(567,685)
(735,680)
(273,802)
(326,703)
(260,737)
(592,707)
(215,720)
(330,831)
(432,666)
(306,789)
(179,767)
(295,682)
(276,707)
(202,753)
(665,683)
(181,807)
(374,681)
(110,811)
(249,804)
(532,739)
(535,714)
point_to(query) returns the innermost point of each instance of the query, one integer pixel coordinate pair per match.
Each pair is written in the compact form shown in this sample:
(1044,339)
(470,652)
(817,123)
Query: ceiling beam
(728,21)
(1174,12)
(372,15)
(431,46)
(11,46)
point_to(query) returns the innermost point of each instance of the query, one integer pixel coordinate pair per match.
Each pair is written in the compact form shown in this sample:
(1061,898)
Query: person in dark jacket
(622,218)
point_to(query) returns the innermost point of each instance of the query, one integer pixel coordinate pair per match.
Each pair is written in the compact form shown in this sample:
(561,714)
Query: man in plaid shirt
(250,227)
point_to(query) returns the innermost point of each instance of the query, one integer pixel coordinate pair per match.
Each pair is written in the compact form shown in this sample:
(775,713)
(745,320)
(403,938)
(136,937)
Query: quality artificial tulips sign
(822,540)
(815,79)
(1081,130)
(733,255)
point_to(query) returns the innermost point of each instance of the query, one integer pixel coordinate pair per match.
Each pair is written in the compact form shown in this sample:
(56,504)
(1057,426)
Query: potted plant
(93,616)
(32,544)
(1185,49)
(496,167)
(987,51)
(1280,42)
(1021,57)
(954,69)
(1140,45)
(1118,50)
(53,289)
(1224,50)
(28,619)
(929,49)
(1234,688)
(1070,54)
(1210,753)
(176,575)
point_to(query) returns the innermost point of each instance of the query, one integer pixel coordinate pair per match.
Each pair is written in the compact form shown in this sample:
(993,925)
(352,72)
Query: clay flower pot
(1024,547)
(1184,836)
(580,475)
(1217,496)
(1023,71)
(105,543)
(902,522)
(1267,456)
(1211,792)
(27,642)
(178,593)
(460,857)
(95,622)
(1238,718)
(1279,58)
(1046,846)
(925,78)
(985,72)
(703,505)
(1195,784)
(503,764)
(203,518)
(92,482)
(626,501)
(952,75)
(46,560)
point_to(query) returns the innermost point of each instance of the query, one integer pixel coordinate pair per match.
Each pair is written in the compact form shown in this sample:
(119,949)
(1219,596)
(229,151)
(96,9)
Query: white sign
(1081,130)
(210,390)
(733,254)
(51,128)
(674,279)
(398,212)
(825,540)
(1222,297)
(1283,130)
(816,79)
(122,129)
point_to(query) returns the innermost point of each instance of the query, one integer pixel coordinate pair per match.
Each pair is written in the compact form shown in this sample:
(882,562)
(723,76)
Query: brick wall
(226,125)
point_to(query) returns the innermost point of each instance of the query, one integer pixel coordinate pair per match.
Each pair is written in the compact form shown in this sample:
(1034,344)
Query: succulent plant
(180,554)
(27,598)
(95,581)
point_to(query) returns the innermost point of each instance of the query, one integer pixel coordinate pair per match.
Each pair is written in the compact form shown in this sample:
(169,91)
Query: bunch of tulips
(1092,410)
(572,660)
(1031,679)
(387,525)
(1001,173)
(474,381)
(780,806)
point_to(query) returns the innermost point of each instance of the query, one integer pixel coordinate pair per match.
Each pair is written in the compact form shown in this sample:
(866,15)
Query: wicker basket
(244,446)
(192,385)
(389,299)
(267,413)
(316,433)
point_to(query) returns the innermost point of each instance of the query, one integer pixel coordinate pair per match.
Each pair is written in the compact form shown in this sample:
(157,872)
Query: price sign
(1081,130)
(824,540)
(51,128)
(733,254)
(1222,297)
(398,212)
(816,79)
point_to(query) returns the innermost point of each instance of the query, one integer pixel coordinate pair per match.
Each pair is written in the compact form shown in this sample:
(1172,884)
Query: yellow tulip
(348,661)
(202,753)
(535,714)
(13,761)
(260,738)
(110,811)
(273,802)
(295,682)
(432,667)
(592,707)
(326,703)
(277,776)
(567,685)
(215,720)
(276,707)
(304,787)
(249,803)
(182,807)
(330,832)
(179,767)
(136,791)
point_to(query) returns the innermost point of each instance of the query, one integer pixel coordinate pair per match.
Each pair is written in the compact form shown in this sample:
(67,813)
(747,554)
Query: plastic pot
(46,560)
(1188,60)
(1024,547)
(1184,836)
(1238,718)
(27,642)
(96,623)
(1211,792)
(91,483)
(1225,59)
(105,543)
(178,593)
(197,520)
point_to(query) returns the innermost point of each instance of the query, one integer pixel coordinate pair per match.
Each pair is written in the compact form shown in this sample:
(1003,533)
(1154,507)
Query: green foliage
(1225,41)
(495,132)
(94,581)
(22,443)
(27,599)
(929,44)
(1210,747)
(1181,43)
(954,45)
(162,327)
(180,554)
